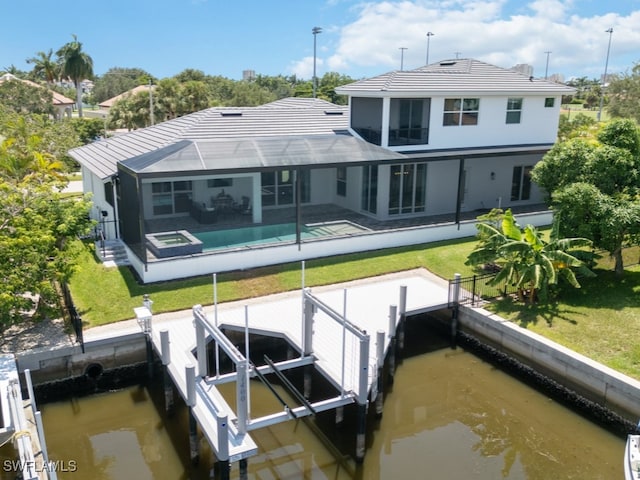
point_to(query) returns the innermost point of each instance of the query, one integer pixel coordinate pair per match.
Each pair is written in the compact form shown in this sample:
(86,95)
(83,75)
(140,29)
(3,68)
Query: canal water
(449,415)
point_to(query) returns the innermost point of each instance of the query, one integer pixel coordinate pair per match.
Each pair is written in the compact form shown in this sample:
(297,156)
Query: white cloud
(303,68)
(502,32)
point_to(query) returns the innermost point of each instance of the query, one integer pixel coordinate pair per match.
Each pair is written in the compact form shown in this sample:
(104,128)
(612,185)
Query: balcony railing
(371,135)
(408,136)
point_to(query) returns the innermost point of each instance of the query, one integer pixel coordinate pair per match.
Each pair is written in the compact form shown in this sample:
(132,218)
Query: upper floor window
(514,110)
(408,124)
(461,111)
(549,102)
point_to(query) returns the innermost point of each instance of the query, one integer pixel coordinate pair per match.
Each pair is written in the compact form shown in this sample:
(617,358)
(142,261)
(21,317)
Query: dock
(21,424)
(344,331)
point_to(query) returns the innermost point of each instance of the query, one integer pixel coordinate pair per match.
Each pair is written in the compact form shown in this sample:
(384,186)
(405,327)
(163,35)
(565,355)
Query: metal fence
(474,290)
(76,321)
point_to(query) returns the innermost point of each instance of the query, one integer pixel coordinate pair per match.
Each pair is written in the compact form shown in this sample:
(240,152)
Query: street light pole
(429,35)
(315,31)
(604,78)
(402,49)
(546,69)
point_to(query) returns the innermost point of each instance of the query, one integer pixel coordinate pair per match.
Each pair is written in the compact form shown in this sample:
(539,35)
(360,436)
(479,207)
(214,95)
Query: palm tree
(44,66)
(77,65)
(526,260)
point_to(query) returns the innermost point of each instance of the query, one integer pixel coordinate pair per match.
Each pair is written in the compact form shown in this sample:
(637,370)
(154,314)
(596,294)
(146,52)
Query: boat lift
(227,428)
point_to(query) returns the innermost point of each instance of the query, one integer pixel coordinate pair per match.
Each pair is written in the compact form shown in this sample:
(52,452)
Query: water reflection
(449,415)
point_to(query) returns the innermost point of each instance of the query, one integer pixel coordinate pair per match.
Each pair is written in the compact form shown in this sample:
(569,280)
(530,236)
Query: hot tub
(173,244)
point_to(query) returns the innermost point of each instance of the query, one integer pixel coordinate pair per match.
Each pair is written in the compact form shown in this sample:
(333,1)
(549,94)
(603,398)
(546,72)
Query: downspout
(296,179)
(460,192)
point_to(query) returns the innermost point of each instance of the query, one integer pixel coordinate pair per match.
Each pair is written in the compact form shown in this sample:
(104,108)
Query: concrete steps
(112,253)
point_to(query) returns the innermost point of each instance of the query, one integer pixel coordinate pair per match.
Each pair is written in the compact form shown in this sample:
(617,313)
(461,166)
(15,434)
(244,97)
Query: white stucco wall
(251,257)
(538,124)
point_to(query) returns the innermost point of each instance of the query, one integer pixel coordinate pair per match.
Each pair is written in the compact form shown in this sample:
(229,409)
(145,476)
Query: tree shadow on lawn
(525,315)
(605,291)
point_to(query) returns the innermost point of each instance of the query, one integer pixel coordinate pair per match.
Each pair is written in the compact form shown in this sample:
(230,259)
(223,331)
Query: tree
(623,95)
(610,222)
(132,112)
(44,67)
(194,95)
(36,222)
(20,97)
(40,133)
(578,126)
(593,183)
(526,260)
(117,80)
(77,65)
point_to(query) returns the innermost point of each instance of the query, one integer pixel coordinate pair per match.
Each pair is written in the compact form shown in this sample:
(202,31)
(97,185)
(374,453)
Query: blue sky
(359,38)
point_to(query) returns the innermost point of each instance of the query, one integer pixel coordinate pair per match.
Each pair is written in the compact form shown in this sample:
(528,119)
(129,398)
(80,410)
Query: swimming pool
(266,234)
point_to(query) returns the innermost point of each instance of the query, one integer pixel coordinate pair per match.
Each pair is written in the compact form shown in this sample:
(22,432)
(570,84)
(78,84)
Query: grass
(600,320)
(570,109)
(119,292)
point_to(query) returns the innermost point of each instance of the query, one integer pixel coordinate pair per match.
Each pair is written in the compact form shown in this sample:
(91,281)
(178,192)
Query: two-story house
(415,157)
(472,132)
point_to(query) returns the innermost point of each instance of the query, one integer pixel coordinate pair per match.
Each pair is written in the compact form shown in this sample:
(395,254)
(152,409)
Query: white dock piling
(380,337)
(166,378)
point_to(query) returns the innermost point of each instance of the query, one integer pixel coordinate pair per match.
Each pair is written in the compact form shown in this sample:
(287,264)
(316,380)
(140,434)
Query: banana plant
(528,262)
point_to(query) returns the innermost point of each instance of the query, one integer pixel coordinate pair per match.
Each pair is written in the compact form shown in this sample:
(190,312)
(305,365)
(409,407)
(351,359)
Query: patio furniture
(203,214)
(244,208)
(223,203)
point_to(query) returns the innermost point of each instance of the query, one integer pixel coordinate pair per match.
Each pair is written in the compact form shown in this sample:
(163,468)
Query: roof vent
(333,112)
(448,63)
(231,113)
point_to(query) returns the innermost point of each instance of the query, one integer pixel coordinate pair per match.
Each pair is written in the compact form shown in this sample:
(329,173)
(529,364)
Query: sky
(359,38)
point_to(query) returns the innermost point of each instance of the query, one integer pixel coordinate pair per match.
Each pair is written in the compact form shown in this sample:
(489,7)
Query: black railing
(76,321)
(476,289)
(408,136)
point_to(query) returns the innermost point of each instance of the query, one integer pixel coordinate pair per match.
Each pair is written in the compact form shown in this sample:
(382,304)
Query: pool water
(266,234)
(172,239)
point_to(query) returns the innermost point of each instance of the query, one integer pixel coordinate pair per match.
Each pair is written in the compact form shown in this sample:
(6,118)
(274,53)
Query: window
(549,102)
(521,183)
(407,188)
(278,187)
(171,197)
(369,201)
(341,181)
(408,122)
(514,110)
(460,111)
(219,182)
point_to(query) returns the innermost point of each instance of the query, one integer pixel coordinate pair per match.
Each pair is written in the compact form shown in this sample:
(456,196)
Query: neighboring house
(414,156)
(107,104)
(62,106)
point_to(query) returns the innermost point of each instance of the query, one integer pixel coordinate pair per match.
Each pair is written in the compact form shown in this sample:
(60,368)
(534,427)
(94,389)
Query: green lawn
(600,320)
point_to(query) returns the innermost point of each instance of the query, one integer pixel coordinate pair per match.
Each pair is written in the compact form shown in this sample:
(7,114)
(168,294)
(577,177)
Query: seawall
(596,382)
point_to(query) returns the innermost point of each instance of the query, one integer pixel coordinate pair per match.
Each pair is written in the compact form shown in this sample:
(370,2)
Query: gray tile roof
(454,76)
(295,116)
